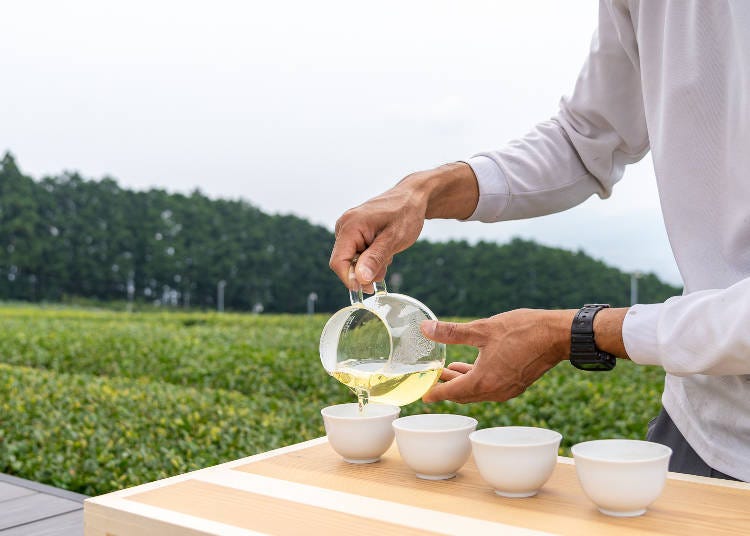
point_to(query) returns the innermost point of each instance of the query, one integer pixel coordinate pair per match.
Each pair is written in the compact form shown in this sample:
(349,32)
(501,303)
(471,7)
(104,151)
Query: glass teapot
(375,346)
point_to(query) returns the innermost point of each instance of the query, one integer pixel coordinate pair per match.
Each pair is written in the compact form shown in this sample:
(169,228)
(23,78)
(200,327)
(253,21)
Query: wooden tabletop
(309,489)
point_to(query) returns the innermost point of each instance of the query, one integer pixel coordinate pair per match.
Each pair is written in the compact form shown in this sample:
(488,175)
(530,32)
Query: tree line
(65,237)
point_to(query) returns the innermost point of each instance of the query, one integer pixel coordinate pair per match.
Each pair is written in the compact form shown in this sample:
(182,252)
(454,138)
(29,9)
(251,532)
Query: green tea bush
(94,401)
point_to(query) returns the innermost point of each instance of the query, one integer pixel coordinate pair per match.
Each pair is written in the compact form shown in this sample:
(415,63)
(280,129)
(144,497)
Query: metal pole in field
(311,299)
(220,296)
(634,277)
(131,290)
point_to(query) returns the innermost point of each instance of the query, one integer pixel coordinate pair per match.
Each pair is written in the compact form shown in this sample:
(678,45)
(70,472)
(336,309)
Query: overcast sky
(308,107)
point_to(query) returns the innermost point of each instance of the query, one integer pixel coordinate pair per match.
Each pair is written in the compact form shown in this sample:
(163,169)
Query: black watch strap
(583,351)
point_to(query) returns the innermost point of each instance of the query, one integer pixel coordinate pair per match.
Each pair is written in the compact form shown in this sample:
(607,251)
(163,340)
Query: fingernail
(428,327)
(366,273)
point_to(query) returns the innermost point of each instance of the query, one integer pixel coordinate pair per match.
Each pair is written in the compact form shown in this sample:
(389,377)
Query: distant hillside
(66,237)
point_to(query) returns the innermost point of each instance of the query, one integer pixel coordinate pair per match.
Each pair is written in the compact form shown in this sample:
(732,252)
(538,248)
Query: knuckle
(480,332)
(450,330)
(343,220)
(377,255)
(339,224)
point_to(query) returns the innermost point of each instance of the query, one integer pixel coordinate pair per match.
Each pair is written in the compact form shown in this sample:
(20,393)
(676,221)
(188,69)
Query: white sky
(307,107)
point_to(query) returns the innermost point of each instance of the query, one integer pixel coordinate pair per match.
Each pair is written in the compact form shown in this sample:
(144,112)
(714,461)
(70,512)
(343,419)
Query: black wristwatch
(583,351)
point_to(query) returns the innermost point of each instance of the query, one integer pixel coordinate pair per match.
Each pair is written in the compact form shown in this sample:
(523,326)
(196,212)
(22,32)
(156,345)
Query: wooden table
(307,489)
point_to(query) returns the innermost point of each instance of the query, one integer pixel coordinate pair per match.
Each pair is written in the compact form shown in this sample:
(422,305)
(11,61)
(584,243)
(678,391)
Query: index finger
(459,389)
(345,249)
(448,374)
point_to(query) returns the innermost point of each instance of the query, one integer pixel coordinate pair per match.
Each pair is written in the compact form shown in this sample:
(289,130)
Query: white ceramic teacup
(515,460)
(622,476)
(434,445)
(360,438)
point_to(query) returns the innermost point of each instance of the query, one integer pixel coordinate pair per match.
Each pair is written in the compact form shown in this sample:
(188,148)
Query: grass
(94,401)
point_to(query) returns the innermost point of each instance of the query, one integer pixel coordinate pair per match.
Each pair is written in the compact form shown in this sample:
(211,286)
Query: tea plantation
(94,401)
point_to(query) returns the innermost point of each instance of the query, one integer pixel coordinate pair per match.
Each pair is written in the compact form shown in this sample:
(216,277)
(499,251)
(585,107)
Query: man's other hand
(515,349)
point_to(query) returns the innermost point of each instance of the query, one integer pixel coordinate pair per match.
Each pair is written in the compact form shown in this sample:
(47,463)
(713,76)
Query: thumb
(448,332)
(374,260)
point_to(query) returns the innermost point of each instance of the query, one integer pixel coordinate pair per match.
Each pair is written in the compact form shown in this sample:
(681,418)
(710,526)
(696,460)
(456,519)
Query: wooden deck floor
(31,509)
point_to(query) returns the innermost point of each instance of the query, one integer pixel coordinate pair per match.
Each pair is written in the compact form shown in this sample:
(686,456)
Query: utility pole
(131,290)
(396,280)
(220,296)
(311,299)
(634,277)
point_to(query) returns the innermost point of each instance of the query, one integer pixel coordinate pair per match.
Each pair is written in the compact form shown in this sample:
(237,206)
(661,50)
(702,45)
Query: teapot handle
(355,287)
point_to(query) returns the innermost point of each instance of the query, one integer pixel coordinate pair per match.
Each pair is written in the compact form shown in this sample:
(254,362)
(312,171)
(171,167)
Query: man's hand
(515,349)
(392,221)
(379,228)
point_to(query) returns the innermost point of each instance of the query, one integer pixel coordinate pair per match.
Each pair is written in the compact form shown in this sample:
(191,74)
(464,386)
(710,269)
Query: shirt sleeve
(703,332)
(583,150)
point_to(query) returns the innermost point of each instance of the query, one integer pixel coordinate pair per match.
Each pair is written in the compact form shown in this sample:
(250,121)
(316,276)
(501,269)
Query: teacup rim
(471,422)
(666,451)
(556,437)
(394,410)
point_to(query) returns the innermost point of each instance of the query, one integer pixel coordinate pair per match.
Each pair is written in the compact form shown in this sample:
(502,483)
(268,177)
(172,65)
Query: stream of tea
(397,384)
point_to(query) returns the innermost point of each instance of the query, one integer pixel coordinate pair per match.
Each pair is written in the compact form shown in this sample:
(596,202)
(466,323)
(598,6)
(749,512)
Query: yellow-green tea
(394,384)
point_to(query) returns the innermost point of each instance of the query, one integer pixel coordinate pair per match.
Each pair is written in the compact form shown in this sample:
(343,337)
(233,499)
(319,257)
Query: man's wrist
(560,323)
(449,191)
(608,331)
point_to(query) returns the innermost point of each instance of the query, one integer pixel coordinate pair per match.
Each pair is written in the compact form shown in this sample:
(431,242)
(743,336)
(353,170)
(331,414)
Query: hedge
(94,401)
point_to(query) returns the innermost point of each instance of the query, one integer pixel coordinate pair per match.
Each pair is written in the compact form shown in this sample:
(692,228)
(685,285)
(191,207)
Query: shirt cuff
(639,334)
(494,192)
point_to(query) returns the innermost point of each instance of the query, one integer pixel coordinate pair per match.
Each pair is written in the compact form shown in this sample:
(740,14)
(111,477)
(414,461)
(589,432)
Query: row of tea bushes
(96,401)
(93,434)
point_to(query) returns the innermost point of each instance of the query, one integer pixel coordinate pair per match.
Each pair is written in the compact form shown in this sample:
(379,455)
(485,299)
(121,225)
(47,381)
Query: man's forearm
(451,191)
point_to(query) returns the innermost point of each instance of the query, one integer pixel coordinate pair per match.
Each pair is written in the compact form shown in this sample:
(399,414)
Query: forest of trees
(66,237)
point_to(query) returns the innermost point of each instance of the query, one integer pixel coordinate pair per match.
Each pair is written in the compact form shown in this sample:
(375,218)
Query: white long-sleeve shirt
(673,78)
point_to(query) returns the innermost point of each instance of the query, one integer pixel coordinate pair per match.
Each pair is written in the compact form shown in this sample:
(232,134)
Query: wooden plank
(113,496)
(262,513)
(685,507)
(32,508)
(101,520)
(70,524)
(42,488)
(366,507)
(112,514)
(9,491)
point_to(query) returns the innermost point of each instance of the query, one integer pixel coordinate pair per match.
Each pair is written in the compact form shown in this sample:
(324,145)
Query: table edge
(102,499)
